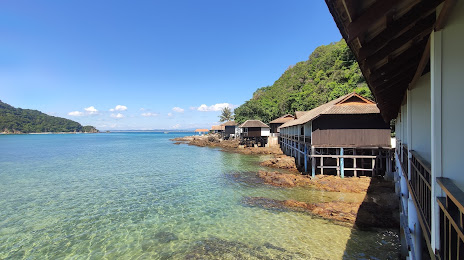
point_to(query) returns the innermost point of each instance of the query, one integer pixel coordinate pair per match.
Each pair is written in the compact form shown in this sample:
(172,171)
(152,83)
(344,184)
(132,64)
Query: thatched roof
(253,123)
(348,104)
(298,114)
(217,128)
(282,119)
(230,123)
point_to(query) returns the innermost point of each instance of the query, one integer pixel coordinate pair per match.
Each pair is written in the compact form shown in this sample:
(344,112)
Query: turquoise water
(139,196)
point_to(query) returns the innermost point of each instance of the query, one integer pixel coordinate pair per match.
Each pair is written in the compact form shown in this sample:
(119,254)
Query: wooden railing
(404,158)
(451,220)
(299,138)
(421,189)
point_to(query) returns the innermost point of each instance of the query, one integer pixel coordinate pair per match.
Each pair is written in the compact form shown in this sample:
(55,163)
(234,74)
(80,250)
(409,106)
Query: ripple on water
(138,196)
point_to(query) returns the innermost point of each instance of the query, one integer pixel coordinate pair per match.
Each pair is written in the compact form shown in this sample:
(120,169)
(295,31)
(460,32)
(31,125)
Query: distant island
(21,121)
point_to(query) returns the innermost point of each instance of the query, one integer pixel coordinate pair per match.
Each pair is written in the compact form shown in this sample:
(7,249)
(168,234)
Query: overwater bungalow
(346,136)
(411,54)
(274,124)
(254,132)
(217,129)
(201,131)
(230,129)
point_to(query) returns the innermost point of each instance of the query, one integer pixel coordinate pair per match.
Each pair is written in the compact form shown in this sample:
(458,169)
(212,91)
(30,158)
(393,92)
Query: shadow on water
(378,214)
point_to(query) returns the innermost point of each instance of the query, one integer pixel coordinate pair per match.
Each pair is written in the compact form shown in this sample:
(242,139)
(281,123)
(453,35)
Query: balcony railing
(451,220)
(404,158)
(421,189)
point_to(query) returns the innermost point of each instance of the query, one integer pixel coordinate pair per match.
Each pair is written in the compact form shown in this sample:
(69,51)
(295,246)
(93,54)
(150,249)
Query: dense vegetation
(17,120)
(330,72)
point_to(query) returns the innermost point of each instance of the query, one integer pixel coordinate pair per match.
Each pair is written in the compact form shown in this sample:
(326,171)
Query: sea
(140,196)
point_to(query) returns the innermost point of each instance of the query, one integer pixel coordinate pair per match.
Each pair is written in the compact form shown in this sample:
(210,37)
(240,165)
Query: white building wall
(452,96)
(265,131)
(404,123)
(420,117)
(307,128)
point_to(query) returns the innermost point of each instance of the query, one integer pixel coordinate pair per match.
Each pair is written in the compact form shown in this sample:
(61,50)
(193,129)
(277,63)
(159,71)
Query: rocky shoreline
(378,209)
(213,140)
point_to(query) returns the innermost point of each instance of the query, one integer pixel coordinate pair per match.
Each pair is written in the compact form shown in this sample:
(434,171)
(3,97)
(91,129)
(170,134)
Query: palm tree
(226,115)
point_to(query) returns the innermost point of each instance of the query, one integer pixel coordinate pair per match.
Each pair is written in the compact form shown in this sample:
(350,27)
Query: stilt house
(346,135)
(201,131)
(217,129)
(411,54)
(230,129)
(254,132)
(274,124)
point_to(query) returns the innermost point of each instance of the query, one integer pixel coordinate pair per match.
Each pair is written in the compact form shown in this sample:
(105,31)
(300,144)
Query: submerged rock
(363,215)
(165,237)
(245,178)
(217,248)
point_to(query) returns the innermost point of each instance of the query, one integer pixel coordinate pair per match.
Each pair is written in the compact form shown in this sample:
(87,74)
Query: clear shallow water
(138,196)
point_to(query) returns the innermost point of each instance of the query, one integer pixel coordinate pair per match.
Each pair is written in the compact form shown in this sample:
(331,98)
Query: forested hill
(17,120)
(330,72)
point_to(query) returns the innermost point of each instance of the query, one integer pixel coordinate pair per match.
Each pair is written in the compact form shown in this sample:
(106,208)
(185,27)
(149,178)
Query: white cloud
(215,107)
(169,114)
(149,114)
(175,126)
(91,110)
(178,109)
(75,113)
(118,115)
(142,109)
(119,108)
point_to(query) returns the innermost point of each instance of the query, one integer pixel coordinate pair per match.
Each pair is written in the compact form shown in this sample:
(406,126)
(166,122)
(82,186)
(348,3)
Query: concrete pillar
(306,157)
(415,228)
(342,164)
(313,161)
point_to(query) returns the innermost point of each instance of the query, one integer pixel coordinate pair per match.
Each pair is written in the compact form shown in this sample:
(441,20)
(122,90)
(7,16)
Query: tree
(226,115)
(28,121)
(330,72)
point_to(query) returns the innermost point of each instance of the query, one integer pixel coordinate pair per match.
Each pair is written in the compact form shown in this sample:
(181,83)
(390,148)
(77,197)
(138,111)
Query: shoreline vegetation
(378,207)
(25,121)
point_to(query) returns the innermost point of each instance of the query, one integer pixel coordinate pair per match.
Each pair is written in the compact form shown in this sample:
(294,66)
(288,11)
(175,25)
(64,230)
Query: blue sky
(151,64)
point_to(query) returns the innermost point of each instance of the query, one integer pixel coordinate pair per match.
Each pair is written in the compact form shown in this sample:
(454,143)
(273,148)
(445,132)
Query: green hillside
(330,72)
(17,120)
